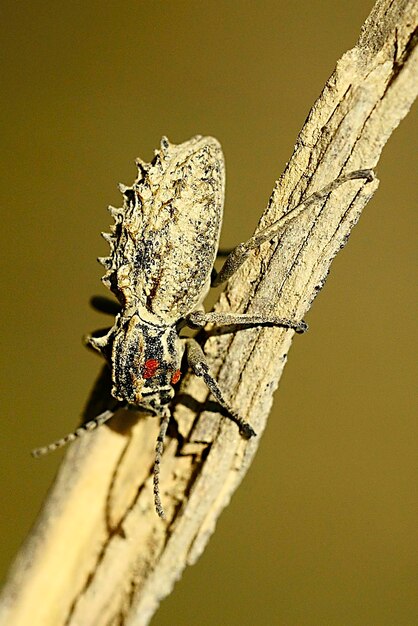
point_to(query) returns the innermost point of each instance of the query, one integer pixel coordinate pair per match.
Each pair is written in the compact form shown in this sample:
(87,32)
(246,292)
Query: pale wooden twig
(98,553)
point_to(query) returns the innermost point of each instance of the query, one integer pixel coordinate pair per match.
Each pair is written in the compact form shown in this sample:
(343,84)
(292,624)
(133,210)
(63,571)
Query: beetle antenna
(158,454)
(82,430)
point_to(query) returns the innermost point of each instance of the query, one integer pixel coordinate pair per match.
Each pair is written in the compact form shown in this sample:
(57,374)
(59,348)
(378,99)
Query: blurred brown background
(323,529)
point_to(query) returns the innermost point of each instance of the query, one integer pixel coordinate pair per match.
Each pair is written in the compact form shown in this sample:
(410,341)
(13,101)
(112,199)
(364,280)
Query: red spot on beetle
(150,368)
(176,377)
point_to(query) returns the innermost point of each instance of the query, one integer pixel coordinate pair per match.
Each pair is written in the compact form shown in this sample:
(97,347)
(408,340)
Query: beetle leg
(197,361)
(158,455)
(220,253)
(237,257)
(199,319)
(98,341)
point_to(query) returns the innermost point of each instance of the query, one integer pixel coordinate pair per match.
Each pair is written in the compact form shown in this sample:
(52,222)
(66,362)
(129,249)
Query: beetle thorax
(145,361)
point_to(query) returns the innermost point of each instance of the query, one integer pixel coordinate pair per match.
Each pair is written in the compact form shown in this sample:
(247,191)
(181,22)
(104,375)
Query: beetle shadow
(198,407)
(104,304)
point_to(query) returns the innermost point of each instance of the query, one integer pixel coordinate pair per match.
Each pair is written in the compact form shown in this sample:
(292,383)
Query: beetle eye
(150,368)
(176,377)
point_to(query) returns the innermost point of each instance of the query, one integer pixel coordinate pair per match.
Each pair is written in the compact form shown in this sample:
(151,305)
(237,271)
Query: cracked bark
(120,558)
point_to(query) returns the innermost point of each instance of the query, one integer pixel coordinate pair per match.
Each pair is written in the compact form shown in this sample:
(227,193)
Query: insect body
(163,245)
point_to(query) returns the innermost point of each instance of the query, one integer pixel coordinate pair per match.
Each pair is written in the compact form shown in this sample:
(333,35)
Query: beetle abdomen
(165,237)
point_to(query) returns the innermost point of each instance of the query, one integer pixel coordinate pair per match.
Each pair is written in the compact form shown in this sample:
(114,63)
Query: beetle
(163,246)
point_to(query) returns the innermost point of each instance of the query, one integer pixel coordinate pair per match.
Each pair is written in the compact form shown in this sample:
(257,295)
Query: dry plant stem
(98,553)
